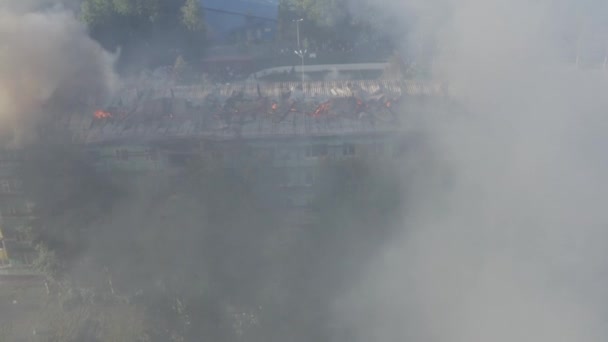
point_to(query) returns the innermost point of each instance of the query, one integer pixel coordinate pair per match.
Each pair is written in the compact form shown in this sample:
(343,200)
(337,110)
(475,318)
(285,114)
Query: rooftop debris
(252,110)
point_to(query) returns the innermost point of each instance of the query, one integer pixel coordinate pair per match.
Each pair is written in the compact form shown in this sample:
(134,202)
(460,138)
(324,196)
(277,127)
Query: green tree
(322,13)
(181,69)
(47,262)
(192,16)
(96,12)
(149,32)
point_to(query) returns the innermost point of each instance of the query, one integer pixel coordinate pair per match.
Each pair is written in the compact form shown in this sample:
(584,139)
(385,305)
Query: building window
(292,178)
(308,178)
(178,159)
(283,154)
(122,154)
(348,149)
(319,150)
(152,154)
(5,186)
(10,211)
(282,177)
(10,187)
(379,149)
(94,155)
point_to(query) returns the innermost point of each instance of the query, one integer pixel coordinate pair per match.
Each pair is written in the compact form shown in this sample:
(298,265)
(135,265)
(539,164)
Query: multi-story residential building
(286,135)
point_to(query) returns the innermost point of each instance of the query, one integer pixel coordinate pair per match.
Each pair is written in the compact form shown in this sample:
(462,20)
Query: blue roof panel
(226,16)
(261,9)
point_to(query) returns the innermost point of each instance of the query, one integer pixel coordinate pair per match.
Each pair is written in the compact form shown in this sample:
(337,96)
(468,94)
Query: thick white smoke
(48,66)
(512,246)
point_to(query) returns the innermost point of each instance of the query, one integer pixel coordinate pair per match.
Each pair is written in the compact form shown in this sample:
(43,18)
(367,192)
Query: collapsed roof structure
(250,110)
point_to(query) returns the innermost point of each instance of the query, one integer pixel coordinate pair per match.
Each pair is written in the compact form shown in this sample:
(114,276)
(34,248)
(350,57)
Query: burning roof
(100,114)
(249,110)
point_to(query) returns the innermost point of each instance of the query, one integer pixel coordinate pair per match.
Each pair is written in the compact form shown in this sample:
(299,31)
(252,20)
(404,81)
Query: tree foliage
(326,13)
(147,32)
(331,23)
(192,16)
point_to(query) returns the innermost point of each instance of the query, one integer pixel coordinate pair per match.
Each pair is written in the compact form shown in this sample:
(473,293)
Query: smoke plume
(49,66)
(504,239)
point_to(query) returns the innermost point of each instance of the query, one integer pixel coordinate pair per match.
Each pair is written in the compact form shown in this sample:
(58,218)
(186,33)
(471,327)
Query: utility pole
(297,21)
(299,51)
(605,59)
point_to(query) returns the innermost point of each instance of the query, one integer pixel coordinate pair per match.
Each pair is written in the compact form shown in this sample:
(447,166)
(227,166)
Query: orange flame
(322,109)
(360,105)
(100,114)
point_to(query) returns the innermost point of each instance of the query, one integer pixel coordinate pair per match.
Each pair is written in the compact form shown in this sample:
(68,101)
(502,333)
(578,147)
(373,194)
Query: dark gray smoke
(24,6)
(49,66)
(512,246)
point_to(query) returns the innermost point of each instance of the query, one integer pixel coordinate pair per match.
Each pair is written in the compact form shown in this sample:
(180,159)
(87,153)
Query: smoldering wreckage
(251,109)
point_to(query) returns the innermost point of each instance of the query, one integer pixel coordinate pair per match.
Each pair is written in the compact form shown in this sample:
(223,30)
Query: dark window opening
(94,155)
(152,154)
(348,149)
(178,159)
(308,178)
(10,186)
(319,150)
(122,154)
